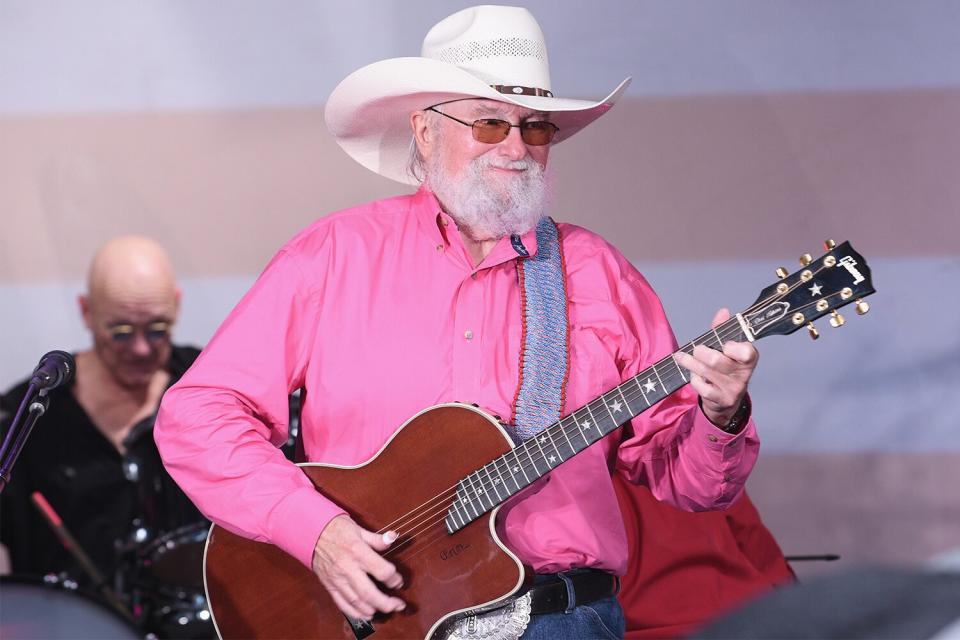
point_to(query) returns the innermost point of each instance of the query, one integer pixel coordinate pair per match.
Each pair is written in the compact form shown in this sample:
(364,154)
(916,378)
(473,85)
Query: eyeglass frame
(510,125)
(155,332)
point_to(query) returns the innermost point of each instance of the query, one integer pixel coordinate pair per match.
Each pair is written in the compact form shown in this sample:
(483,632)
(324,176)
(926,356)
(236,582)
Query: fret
(636,379)
(519,466)
(459,513)
(603,401)
(470,500)
(594,418)
(674,358)
(584,425)
(657,373)
(464,500)
(533,463)
(536,439)
(483,491)
(502,465)
(567,438)
(493,483)
(501,480)
(573,418)
(716,335)
(550,437)
(630,410)
(454,512)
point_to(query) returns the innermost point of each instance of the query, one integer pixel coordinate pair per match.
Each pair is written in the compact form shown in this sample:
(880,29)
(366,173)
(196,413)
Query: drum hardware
(162,577)
(73,547)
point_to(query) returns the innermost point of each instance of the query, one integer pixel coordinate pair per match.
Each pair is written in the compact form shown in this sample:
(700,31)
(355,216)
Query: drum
(176,558)
(168,584)
(51,609)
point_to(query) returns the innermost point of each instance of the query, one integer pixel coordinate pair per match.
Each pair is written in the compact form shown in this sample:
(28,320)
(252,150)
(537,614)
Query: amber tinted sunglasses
(535,133)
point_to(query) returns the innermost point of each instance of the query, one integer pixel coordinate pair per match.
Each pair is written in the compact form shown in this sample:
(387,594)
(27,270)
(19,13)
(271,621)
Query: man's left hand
(720,378)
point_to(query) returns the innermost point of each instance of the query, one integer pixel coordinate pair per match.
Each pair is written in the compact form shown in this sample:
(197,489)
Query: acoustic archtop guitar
(448,551)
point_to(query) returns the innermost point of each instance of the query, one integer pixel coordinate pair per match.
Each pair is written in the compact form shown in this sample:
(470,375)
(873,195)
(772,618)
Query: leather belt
(589,585)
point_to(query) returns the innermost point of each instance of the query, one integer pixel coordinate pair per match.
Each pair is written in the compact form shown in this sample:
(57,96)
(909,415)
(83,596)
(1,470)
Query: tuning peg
(814,334)
(829,244)
(836,320)
(805,259)
(782,273)
(862,307)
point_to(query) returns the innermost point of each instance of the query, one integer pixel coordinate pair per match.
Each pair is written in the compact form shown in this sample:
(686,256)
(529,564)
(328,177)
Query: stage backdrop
(754,129)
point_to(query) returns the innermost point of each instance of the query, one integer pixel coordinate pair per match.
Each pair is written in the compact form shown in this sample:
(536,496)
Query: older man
(461,291)
(92,455)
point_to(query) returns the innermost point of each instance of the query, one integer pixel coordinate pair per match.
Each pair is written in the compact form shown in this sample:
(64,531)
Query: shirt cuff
(298,521)
(730,456)
(739,419)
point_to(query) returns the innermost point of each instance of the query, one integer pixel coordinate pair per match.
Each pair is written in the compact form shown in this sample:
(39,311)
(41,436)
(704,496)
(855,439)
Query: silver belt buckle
(503,623)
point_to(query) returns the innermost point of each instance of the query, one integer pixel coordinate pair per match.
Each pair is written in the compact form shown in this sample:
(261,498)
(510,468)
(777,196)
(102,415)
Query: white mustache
(515,165)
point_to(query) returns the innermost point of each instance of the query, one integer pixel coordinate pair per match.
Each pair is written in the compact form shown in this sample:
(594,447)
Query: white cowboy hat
(488,51)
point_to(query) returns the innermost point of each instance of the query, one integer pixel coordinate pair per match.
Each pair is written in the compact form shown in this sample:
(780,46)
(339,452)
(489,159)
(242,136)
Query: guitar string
(437,516)
(407,541)
(411,544)
(428,520)
(531,464)
(722,327)
(566,431)
(433,518)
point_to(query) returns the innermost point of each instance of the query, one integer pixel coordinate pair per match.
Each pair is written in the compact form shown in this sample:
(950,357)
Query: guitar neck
(505,476)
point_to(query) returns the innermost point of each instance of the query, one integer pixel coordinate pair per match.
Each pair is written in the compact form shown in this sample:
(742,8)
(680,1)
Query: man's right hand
(347,559)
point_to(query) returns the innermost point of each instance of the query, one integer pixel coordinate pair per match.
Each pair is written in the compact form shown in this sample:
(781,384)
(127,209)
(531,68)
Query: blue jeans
(601,619)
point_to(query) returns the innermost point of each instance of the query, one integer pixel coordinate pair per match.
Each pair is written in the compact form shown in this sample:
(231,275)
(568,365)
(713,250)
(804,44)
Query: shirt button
(712,438)
(439,247)
(727,477)
(468,334)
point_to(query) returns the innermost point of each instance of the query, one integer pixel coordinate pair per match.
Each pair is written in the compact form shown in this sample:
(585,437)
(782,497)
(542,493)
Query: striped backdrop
(754,130)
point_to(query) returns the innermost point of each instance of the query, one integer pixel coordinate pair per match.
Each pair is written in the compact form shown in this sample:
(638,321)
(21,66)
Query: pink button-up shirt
(378,312)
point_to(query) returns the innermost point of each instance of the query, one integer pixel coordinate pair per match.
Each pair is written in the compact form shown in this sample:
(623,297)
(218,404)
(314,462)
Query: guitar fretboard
(505,476)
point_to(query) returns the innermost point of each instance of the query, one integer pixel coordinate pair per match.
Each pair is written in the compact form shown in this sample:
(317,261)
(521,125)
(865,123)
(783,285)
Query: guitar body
(255,590)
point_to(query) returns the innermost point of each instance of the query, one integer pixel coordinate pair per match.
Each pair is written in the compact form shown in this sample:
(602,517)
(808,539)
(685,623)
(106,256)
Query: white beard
(485,209)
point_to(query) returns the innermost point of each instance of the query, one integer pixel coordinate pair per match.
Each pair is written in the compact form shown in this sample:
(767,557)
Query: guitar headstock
(837,278)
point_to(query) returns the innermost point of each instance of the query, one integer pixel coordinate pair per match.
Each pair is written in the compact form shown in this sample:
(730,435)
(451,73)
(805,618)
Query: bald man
(92,454)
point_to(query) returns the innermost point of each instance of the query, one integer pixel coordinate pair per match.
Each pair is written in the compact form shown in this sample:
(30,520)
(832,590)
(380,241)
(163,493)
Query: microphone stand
(34,405)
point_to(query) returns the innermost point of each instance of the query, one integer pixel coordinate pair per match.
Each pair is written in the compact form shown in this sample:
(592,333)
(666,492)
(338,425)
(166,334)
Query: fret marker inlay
(650,385)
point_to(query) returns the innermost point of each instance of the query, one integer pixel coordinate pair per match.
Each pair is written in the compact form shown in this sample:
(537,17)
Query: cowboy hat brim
(368,113)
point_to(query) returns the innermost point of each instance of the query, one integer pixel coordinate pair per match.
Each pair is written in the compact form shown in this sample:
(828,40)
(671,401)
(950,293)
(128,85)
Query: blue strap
(544,360)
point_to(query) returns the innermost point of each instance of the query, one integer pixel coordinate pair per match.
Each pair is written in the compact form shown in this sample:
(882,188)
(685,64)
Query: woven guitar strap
(544,361)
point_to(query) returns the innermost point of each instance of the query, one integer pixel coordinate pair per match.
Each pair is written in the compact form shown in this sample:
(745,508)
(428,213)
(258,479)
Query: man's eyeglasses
(154,332)
(535,133)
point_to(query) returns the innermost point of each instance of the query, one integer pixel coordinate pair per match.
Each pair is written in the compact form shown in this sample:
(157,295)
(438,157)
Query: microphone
(55,369)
